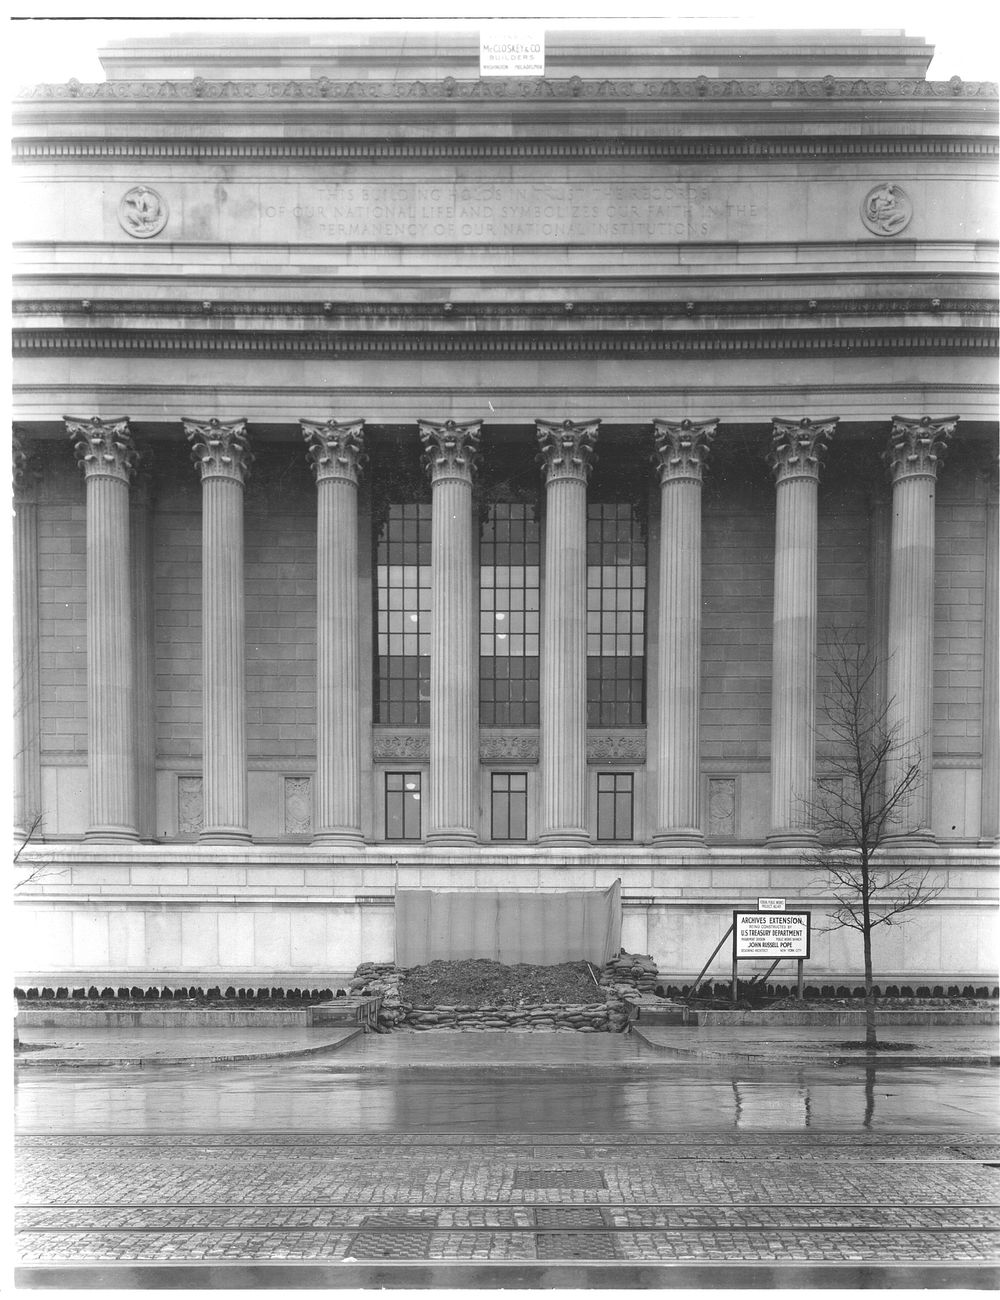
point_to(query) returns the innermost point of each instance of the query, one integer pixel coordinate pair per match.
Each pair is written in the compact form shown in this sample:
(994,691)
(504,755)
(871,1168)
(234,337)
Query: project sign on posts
(770,934)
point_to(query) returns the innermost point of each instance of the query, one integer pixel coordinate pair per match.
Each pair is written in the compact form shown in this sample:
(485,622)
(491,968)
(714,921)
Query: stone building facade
(426,479)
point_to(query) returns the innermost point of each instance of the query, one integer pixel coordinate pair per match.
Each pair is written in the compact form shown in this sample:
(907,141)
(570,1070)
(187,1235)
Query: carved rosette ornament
(567,448)
(916,446)
(104,448)
(142,213)
(220,449)
(336,448)
(798,445)
(451,448)
(681,448)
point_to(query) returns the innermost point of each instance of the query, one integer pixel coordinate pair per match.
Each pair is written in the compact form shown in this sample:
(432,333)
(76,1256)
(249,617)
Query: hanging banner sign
(512,50)
(770,934)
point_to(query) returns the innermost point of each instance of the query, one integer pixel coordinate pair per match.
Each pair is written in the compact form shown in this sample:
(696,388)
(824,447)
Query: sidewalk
(805,1044)
(124,1048)
(644,1048)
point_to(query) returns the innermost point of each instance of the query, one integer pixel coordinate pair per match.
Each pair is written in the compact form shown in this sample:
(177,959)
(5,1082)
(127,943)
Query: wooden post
(798,992)
(733,988)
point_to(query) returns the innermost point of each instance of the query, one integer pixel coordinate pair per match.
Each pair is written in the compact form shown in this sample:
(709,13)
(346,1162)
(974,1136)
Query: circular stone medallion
(142,213)
(886,210)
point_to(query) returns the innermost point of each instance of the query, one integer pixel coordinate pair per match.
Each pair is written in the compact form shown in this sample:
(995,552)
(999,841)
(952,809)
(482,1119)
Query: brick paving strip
(432,1209)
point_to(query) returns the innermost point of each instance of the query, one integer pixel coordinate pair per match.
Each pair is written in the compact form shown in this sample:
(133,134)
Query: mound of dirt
(479,982)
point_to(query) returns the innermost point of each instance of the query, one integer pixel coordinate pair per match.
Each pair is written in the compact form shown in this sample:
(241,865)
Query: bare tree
(869,779)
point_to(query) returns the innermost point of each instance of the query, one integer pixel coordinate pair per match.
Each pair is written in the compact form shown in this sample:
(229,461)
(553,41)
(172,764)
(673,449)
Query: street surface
(579,1151)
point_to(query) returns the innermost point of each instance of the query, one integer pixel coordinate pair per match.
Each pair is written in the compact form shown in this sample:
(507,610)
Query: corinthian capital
(451,449)
(104,448)
(27,468)
(681,448)
(336,448)
(798,445)
(220,448)
(567,447)
(916,446)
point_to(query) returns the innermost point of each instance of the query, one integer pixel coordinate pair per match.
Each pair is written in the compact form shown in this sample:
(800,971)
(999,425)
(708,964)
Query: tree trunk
(871,1041)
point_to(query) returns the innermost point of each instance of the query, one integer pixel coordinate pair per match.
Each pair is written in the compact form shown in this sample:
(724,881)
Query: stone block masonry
(62,611)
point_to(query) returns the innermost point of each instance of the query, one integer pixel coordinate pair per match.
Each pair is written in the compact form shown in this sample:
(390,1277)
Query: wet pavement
(443,1159)
(139,1047)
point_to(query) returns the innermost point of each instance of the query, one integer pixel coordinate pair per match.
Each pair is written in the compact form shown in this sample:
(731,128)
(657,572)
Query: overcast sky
(53,48)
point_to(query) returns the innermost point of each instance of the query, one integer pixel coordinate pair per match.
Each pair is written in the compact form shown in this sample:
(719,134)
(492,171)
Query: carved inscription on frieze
(515,212)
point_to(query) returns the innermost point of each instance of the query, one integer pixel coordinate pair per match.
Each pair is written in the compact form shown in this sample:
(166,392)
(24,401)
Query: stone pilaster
(796,449)
(27,710)
(336,452)
(566,450)
(144,620)
(107,455)
(222,454)
(450,454)
(681,448)
(990,800)
(915,448)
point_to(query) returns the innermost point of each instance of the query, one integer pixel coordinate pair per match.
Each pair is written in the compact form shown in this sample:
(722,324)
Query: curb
(798,1057)
(151,1062)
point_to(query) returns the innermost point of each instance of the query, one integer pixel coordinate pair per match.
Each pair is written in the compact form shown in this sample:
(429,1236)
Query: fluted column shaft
(990,804)
(566,451)
(914,454)
(222,453)
(107,455)
(450,456)
(795,458)
(27,710)
(681,448)
(335,448)
(144,619)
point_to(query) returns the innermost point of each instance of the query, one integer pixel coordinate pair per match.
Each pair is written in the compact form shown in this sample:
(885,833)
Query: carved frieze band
(972,340)
(797,446)
(104,448)
(567,448)
(916,446)
(451,448)
(682,150)
(508,746)
(415,745)
(336,448)
(681,448)
(543,88)
(616,746)
(220,448)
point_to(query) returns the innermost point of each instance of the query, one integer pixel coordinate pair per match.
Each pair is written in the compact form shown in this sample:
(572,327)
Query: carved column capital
(798,445)
(916,446)
(451,448)
(336,449)
(681,448)
(566,448)
(220,448)
(104,448)
(26,468)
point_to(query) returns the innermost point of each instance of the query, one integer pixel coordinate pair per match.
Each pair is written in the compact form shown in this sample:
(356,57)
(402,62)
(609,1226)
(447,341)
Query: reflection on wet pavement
(579,1092)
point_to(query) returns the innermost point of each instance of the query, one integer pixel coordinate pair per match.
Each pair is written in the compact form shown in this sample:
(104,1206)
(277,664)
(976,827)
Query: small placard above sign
(770,904)
(512,50)
(770,934)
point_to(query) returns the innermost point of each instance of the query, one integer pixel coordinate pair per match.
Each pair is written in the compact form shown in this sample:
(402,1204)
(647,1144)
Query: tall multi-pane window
(509,806)
(614,805)
(404,616)
(402,805)
(616,613)
(508,616)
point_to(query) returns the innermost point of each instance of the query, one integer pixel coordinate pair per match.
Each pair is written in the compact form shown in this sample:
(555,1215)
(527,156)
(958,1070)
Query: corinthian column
(796,448)
(27,709)
(222,453)
(915,448)
(681,447)
(335,448)
(450,453)
(105,451)
(566,450)
(989,831)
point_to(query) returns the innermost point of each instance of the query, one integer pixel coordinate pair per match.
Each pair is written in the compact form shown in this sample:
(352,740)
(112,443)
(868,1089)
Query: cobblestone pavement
(833,1198)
